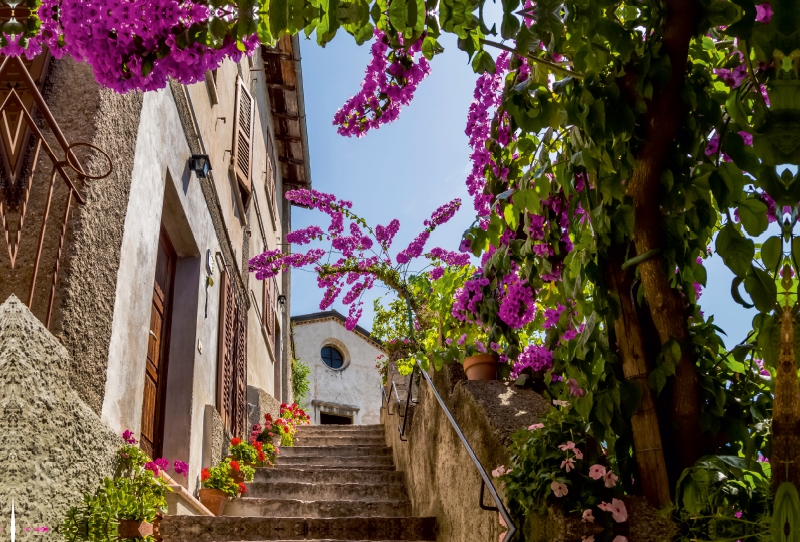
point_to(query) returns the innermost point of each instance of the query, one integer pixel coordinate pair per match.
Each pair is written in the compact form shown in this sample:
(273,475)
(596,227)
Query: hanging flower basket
(481,367)
(214,500)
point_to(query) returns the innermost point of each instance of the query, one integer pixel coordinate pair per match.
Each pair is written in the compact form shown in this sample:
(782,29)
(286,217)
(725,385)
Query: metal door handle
(154,335)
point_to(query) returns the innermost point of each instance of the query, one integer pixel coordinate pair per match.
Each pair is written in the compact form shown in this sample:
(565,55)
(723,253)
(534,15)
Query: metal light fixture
(200,164)
(282,299)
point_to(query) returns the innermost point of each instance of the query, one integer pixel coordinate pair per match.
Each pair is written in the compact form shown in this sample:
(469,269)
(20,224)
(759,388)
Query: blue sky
(407,169)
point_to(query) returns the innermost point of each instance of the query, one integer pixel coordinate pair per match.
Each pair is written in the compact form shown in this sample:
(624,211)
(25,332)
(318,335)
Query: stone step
(334,461)
(338,451)
(328,476)
(334,430)
(337,440)
(254,507)
(252,529)
(308,491)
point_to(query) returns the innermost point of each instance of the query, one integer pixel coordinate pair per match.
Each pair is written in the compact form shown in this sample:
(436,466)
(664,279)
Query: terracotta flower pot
(481,367)
(237,476)
(214,500)
(130,528)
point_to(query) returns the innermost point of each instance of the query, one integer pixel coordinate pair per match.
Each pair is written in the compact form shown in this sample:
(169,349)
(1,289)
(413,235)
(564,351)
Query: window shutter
(270,183)
(268,312)
(238,425)
(226,349)
(241,155)
(231,359)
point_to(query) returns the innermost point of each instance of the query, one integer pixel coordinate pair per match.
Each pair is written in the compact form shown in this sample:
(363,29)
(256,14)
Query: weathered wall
(215,438)
(356,385)
(164,191)
(53,447)
(110,121)
(442,480)
(259,403)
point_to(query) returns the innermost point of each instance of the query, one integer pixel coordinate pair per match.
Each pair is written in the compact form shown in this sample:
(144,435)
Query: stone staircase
(338,483)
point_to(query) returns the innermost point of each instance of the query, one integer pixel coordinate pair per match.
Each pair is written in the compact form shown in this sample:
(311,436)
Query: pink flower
(500,471)
(568,446)
(574,388)
(535,426)
(589,538)
(564,404)
(578,453)
(620,538)
(597,471)
(559,489)
(127,436)
(763,13)
(610,479)
(616,508)
(568,464)
(588,516)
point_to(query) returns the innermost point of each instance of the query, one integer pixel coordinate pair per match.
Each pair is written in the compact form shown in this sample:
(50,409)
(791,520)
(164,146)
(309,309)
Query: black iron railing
(485,481)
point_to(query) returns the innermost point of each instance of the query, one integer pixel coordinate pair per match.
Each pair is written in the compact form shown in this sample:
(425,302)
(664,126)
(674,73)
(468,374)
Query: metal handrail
(485,481)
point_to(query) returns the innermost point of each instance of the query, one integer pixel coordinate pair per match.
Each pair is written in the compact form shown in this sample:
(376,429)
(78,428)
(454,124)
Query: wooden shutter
(232,359)
(268,312)
(241,155)
(272,201)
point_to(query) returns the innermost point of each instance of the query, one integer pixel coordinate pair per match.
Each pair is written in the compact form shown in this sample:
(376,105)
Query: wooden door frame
(161,391)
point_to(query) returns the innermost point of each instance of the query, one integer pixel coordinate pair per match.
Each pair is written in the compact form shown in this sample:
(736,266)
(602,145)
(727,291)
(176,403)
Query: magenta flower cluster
(535,357)
(466,299)
(487,96)
(389,84)
(517,307)
(132,44)
(360,261)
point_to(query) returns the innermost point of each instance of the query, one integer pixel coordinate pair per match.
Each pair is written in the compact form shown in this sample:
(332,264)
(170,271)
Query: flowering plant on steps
(221,477)
(573,471)
(136,493)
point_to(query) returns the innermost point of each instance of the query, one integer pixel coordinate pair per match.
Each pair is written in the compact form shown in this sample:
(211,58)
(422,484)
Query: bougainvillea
(389,84)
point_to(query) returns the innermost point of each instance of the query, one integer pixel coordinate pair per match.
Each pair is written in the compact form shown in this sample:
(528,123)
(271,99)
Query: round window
(332,357)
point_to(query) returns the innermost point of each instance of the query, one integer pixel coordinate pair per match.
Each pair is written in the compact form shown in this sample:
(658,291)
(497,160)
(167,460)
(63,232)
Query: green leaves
(753,214)
(737,252)
(762,289)
(771,252)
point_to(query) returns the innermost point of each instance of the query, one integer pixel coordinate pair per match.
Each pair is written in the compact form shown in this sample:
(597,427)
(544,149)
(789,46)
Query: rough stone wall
(53,447)
(87,113)
(259,403)
(215,438)
(442,480)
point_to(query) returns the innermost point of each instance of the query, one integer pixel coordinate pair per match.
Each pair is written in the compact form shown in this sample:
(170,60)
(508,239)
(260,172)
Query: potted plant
(219,485)
(129,505)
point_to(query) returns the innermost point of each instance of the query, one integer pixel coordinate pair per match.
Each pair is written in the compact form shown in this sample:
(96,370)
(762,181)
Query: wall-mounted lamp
(282,299)
(200,164)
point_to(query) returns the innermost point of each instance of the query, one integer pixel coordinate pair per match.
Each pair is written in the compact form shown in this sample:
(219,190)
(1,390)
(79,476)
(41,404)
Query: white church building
(344,383)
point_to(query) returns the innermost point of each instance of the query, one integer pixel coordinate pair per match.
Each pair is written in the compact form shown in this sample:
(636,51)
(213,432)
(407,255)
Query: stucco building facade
(344,385)
(141,272)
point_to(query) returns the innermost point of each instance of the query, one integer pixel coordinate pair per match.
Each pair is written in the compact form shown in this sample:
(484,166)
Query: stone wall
(53,447)
(442,480)
(87,113)
(259,403)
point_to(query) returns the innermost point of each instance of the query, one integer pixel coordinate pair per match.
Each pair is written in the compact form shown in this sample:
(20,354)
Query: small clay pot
(130,528)
(481,367)
(237,476)
(214,500)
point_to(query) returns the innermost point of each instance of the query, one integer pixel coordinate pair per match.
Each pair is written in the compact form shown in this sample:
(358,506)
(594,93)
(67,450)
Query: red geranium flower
(236,441)
(258,445)
(262,456)
(242,487)
(235,465)
(204,474)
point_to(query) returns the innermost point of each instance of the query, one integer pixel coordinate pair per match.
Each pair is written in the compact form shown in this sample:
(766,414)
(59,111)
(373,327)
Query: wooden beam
(286,116)
(287,137)
(292,161)
(281,86)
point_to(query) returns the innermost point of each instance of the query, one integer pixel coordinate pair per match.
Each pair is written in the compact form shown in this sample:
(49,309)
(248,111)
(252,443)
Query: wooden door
(155,380)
